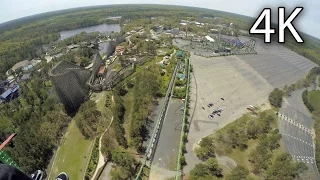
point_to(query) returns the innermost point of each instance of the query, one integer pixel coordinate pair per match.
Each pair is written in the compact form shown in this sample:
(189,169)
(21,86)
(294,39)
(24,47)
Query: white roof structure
(210,39)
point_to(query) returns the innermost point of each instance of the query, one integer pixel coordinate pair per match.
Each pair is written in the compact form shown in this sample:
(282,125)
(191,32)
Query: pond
(102,28)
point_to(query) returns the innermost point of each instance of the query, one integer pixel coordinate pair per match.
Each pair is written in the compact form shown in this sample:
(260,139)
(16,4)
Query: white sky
(308,21)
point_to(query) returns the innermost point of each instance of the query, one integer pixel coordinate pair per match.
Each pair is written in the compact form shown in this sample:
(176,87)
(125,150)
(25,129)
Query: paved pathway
(226,161)
(101,158)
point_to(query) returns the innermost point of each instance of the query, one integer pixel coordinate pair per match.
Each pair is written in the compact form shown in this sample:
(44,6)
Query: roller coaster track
(157,129)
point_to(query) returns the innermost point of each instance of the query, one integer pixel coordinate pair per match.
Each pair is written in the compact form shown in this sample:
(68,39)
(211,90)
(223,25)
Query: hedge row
(306,102)
(93,160)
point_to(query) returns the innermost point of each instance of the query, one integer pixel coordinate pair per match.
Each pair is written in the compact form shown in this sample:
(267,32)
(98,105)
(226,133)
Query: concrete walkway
(226,161)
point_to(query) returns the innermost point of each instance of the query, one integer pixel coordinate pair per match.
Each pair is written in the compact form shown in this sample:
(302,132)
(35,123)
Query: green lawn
(116,67)
(314,99)
(225,171)
(73,155)
(242,157)
(165,50)
(104,102)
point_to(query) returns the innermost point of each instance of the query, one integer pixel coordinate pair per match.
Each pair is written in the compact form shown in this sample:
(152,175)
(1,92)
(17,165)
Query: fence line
(178,168)
(156,131)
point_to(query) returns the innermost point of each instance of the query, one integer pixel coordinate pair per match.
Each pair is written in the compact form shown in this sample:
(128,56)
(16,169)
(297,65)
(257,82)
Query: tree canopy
(39,120)
(209,170)
(275,97)
(88,118)
(238,173)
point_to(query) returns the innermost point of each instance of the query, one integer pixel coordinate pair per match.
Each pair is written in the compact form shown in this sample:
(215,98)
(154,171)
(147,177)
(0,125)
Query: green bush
(185,138)
(209,170)
(306,102)
(183,160)
(184,149)
(203,153)
(275,98)
(238,173)
(179,92)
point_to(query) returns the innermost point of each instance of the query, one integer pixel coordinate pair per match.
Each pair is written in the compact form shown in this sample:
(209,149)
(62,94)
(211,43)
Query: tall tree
(238,173)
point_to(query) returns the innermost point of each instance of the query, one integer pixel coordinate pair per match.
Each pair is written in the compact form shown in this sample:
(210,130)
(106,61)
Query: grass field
(116,67)
(104,103)
(314,99)
(73,155)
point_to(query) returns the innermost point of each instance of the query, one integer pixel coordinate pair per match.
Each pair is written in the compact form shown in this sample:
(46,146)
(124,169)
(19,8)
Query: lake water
(102,28)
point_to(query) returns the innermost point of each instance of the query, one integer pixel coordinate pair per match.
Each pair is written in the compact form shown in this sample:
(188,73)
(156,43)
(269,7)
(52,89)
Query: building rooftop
(180,54)
(180,76)
(27,67)
(9,91)
(72,46)
(25,77)
(210,39)
(101,70)
(20,65)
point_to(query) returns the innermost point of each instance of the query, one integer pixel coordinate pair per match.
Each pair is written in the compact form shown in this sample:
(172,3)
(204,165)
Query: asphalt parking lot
(295,125)
(215,78)
(245,80)
(277,64)
(230,79)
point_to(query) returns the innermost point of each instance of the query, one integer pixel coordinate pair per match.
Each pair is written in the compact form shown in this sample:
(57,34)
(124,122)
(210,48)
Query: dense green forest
(148,78)
(39,120)
(88,119)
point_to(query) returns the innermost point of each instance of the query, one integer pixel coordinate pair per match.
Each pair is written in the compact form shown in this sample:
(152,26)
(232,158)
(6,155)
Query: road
(295,124)
(166,154)
(106,172)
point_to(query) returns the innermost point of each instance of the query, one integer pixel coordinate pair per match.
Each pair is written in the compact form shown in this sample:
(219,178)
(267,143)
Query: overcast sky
(308,21)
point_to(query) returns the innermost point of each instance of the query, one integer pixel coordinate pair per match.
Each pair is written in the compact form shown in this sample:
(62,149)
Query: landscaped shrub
(306,102)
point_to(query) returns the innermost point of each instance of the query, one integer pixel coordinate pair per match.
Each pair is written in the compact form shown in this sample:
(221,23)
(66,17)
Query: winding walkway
(101,158)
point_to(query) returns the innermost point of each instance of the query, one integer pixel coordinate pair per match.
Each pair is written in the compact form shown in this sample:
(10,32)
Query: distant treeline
(16,23)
